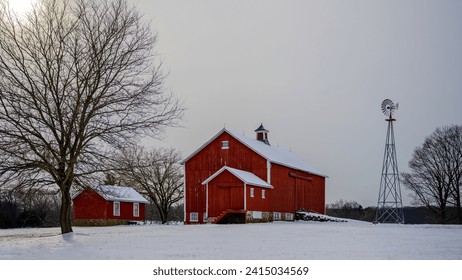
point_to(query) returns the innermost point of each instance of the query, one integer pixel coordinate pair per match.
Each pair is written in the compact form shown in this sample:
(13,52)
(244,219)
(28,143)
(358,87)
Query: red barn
(234,178)
(108,205)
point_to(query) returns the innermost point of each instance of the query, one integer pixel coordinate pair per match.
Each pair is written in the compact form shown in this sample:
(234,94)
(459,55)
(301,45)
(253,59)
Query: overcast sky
(315,74)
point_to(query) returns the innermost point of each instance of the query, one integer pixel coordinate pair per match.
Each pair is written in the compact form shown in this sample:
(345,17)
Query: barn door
(229,197)
(300,188)
(301,191)
(236,198)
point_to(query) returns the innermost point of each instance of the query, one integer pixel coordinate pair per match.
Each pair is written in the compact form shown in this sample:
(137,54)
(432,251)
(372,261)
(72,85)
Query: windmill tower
(389,205)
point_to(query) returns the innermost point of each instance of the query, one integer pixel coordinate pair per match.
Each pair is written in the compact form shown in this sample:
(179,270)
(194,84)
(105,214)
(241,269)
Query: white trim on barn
(276,216)
(194,217)
(257,214)
(270,153)
(116,208)
(184,192)
(244,176)
(136,209)
(289,216)
(245,196)
(207,199)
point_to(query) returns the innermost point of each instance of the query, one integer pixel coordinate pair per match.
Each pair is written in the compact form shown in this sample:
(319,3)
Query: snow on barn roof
(273,154)
(118,193)
(276,154)
(246,177)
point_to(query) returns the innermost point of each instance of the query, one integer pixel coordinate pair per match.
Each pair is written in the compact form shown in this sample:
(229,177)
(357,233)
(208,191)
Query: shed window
(193,217)
(263,193)
(252,192)
(136,209)
(116,208)
(289,216)
(225,145)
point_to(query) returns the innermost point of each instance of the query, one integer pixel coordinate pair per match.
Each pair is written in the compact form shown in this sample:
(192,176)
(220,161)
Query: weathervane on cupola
(389,205)
(262,134)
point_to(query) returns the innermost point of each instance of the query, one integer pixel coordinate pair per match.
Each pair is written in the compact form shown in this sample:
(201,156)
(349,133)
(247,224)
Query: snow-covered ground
(300,240)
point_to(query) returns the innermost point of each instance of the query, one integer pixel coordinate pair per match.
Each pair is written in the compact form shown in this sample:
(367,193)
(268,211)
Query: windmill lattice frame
(389,204)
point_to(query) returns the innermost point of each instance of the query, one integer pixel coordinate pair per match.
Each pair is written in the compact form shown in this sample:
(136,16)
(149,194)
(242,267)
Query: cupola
(262,134)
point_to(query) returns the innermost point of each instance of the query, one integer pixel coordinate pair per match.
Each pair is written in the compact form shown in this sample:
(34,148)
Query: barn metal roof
(244,176)
(277,155)
(273,154)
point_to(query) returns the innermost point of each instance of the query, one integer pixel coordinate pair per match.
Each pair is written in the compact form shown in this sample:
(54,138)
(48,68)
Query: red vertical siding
(282,194)
(288,194)
(126,211)
(211,158)
(257,203)
(90,205)
(291,193)
(225,192)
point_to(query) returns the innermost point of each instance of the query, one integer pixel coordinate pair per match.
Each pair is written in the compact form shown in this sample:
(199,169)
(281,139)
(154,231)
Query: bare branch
(154,173)
(78,80)
(436,171)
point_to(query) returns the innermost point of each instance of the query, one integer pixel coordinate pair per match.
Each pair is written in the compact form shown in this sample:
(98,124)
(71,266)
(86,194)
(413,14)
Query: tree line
(155,173)
(24,209)
(413,214)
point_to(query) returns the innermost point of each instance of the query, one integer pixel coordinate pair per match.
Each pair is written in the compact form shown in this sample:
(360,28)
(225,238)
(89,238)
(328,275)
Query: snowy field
(300,240)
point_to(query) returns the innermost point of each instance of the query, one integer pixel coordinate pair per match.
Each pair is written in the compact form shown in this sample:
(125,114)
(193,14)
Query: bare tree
(436,172)
(154,173)
(346,209)
(78,78)
(453,136)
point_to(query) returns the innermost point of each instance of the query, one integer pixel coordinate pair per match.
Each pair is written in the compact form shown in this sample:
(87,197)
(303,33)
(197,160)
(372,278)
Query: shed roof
(273,154)
(246,177)
(117,193)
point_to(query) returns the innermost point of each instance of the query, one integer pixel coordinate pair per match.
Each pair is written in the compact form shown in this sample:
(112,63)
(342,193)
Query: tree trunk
(443,216)
(459,210)
(456,197)
(163,216)
(65,213)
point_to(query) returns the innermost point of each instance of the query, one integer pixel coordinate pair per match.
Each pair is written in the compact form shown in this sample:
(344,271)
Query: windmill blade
(387,107)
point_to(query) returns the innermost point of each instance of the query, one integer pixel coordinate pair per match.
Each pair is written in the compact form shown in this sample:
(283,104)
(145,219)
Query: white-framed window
(289,216)
(116,208)
(204,217)
(276,216)
(263,193)
(225,145)
(194,217)
(136,209)
(252,192)
(257,215)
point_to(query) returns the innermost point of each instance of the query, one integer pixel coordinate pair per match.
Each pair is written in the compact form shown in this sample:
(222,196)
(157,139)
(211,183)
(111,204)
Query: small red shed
(108,205)
(234,178)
